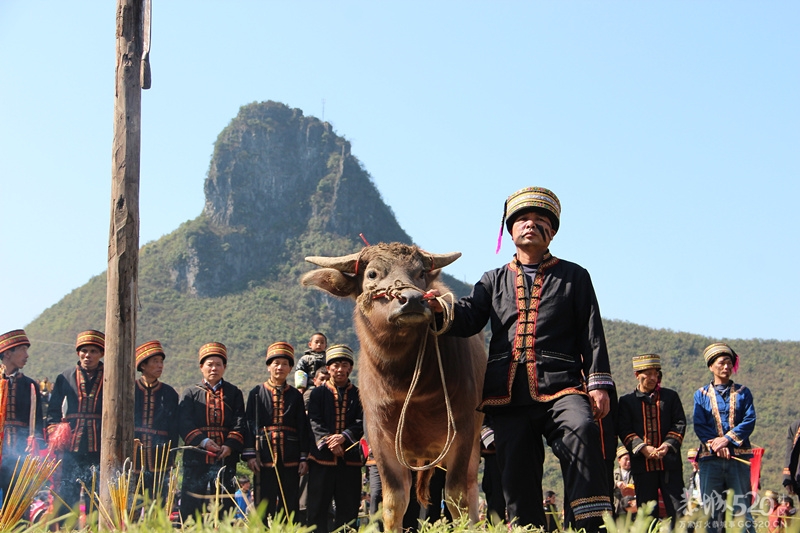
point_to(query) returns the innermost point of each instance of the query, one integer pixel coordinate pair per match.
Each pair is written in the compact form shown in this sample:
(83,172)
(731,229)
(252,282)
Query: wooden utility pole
(133,18)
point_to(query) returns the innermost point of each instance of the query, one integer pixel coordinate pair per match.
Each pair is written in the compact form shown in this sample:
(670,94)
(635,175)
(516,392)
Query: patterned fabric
(204,413)
(12,339)
(646,361)
(339,352)
(214,414)
(652,420)
(154,423)
(547,350)
(91,336)
(593,507)
(18,411)
(90,411)
(279,414)
(83,393)
(533,197)
(148,350)
(525,339)
(213,348)
(715,350)
(551,330)
(729,414)
(280,349)
(331,413)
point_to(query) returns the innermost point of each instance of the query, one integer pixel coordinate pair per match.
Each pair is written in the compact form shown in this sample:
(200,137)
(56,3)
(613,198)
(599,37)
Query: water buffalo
(392,320)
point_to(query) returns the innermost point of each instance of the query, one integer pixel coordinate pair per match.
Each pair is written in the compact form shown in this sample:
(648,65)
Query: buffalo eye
(372,274)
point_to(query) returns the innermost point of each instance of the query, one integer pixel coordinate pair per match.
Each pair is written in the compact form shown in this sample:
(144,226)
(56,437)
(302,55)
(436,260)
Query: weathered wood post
(123,246)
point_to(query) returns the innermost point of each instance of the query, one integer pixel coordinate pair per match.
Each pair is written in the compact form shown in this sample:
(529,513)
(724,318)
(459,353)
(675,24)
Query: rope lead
(451,424)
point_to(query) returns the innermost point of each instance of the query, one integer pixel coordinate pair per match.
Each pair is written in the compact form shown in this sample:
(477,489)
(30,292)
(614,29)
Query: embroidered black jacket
(155,422)
(280,414)
(549,330)
(18,410)
(217,415)
(330,414)
(84,407)
(652,420)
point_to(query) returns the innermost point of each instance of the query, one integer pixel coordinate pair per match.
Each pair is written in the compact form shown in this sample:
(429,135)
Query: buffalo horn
(440,260)
(345,263)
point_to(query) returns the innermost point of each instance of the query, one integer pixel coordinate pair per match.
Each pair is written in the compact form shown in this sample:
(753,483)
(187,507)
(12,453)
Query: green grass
(155,519)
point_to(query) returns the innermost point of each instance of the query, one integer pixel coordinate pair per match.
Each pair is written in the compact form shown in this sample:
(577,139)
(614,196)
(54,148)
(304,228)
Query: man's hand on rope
(431,296)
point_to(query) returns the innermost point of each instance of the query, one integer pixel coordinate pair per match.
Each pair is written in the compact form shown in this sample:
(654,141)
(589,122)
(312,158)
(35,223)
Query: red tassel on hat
(499,240)
(502,223)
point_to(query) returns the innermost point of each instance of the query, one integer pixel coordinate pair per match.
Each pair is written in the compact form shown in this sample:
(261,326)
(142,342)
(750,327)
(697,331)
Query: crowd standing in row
(548,377)
(272,431)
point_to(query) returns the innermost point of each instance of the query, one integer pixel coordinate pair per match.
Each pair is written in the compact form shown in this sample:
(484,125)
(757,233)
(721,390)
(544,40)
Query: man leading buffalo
(548,373)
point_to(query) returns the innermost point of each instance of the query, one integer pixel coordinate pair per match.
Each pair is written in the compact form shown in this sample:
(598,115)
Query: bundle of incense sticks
(26,482)
(119,489)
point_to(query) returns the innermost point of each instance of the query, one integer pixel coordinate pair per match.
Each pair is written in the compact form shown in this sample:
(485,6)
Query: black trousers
(438,506)
(148,479)
(199,487)
(78,466)
(271,491)
(567,425)
(303,500)
(375,490)
(326,483)
(670,482)
(492,487)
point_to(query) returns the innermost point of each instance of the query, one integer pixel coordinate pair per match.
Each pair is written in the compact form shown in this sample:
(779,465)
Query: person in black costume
(155,430)
(336,417)
(277,443)
(23,398)
(75,415)
(211,419)
(652,424)
(548,372)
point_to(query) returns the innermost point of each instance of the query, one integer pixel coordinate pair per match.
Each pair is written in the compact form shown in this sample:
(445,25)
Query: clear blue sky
(670,131)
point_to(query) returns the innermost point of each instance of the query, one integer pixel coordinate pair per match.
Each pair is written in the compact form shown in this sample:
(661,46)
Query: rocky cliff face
(275,176)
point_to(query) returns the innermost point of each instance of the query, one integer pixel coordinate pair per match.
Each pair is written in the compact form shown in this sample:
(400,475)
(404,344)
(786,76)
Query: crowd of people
(283,434)
(548,378)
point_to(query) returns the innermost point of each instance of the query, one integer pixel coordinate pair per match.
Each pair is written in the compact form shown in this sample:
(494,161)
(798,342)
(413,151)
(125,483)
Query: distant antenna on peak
(323,110)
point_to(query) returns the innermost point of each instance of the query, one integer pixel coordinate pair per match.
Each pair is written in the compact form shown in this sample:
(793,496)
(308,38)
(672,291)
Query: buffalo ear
(332,281)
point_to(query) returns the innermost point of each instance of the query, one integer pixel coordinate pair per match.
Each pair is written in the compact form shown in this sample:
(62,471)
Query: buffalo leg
(396,482)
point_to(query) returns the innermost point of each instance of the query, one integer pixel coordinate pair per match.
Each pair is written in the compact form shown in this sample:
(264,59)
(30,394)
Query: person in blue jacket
(724,419)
